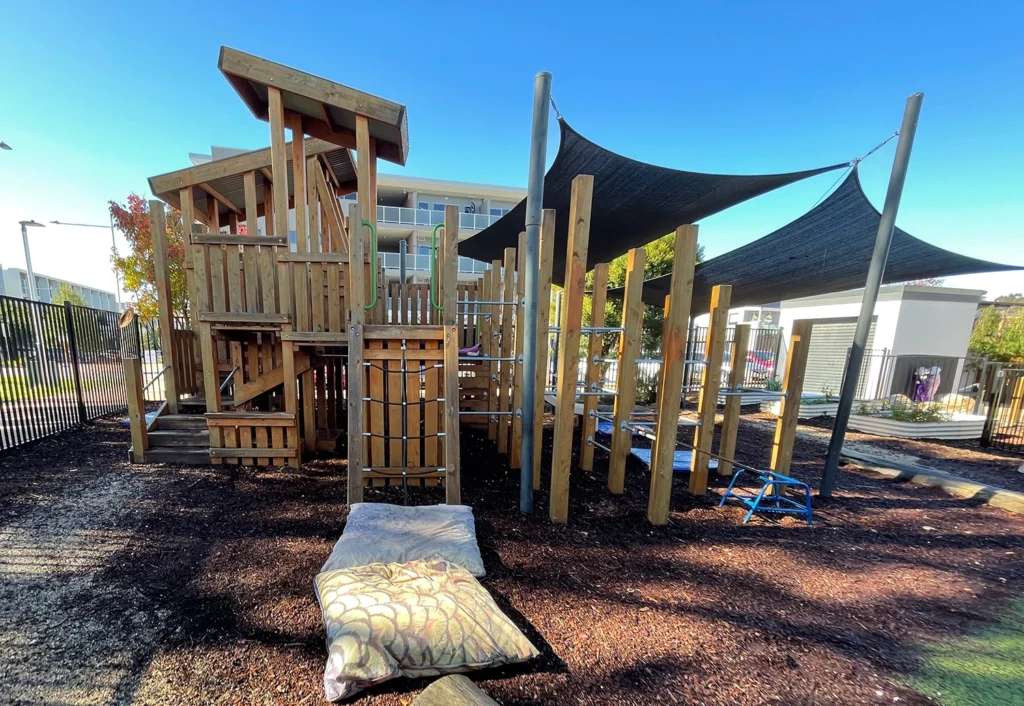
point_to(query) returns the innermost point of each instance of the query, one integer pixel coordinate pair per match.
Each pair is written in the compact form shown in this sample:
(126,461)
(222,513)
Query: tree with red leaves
(136,268)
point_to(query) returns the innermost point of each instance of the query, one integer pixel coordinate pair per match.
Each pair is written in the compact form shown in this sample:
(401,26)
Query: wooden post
(492,348)
(710,384)
(188,217)
(785,427)
(1016,402)
(302,230)
(136,409)
(453,490)
(516,448)
(356,298)
(629,349)
(569,353)
(731,419)
(278,162)
(673,346)
(158,229)
(249,265)
(593,374)
(547,255)
(366,195)
(505,367)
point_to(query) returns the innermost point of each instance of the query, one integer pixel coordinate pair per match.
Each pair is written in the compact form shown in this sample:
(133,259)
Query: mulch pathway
(703,611)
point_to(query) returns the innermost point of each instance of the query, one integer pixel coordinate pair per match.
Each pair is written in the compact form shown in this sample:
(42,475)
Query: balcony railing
(402,216)
(421,263)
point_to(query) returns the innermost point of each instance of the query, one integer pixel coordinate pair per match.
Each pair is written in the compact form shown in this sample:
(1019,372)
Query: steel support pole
(534,206)
(875,271)
(117,274)
(28,266)
(401,261)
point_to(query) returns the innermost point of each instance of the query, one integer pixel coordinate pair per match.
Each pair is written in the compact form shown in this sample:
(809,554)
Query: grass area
(982,670)
(15,387)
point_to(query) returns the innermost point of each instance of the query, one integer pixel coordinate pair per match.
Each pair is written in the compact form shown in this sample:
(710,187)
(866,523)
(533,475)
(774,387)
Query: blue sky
(99,96)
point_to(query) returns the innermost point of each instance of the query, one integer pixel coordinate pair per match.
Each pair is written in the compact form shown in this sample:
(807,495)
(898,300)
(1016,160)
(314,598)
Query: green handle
(433,267)
(373,261)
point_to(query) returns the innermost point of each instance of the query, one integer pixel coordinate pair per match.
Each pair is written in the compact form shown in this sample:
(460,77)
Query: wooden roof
(328,109)
(222,179)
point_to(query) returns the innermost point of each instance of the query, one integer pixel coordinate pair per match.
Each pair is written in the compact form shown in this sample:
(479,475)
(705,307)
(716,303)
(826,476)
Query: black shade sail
(634,202)
(825,250)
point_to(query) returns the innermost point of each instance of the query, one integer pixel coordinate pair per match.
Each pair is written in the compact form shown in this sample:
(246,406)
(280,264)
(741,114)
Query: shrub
(917,413)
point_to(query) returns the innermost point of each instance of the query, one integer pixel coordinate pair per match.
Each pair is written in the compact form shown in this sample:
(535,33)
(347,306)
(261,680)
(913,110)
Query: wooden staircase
(179,438)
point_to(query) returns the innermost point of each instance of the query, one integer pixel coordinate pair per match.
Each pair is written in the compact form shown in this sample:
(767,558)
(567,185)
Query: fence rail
(60,366)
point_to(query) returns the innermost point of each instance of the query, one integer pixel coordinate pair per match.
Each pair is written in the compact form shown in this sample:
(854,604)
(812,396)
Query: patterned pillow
(385,534)
(417,619)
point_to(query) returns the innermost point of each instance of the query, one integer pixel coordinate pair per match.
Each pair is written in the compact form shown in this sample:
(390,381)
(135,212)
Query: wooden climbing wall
(404,381)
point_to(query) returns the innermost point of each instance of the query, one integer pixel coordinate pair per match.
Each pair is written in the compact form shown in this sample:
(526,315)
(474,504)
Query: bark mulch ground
(209,584)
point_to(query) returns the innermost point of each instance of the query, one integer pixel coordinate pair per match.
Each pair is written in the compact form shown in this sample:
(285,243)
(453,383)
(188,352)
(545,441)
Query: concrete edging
(932,477)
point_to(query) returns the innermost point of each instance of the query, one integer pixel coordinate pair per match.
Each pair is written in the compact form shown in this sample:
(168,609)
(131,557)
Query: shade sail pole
(534,205)
(875,271)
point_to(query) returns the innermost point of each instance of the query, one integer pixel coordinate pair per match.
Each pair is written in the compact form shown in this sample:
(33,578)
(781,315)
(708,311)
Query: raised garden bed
(960,426)
(810,407)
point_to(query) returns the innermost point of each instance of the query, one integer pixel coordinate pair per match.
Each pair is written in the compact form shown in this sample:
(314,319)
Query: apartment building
(14,283)
(408,208)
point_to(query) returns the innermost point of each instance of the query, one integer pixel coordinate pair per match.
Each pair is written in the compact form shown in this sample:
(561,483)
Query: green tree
(1013,298)
(660,255)
(999,335)
(67,293)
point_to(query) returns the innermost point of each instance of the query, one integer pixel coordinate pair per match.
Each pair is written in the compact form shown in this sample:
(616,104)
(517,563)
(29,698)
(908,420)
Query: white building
(912,325)
(408,208)
(14,283)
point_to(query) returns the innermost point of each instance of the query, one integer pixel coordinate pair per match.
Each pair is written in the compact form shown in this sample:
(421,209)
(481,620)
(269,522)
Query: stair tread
(181,455)
(181,439)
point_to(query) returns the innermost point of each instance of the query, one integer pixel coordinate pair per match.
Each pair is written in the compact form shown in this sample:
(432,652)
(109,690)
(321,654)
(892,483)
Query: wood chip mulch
(704,611)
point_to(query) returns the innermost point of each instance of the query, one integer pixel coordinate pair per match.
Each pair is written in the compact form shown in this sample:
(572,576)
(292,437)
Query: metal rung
(598,393)
(470,301)
(591,442)
(483,359)
(601,329)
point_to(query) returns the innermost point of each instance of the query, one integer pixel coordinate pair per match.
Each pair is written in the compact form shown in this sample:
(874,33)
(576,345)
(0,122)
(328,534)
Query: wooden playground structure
(294,346)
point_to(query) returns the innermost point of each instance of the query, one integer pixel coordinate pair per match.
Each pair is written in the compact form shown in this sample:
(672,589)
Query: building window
(423,205)
(499,211)
(439,206)
(351,197)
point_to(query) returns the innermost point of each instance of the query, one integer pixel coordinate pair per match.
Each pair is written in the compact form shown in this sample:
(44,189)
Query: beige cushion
(380,533)
(417,619)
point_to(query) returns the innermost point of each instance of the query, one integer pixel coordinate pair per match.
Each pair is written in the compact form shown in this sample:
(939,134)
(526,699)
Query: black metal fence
(946,385)
(60,366)
(1004,423)
(762,363)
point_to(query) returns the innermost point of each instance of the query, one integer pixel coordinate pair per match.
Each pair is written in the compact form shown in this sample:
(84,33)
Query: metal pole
(401,261)
(534,206)
(28,266)
(117,274)
(69,322)
(875,271)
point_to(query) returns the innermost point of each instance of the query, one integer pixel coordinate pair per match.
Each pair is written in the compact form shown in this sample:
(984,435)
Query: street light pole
(113,246)
(25,225)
